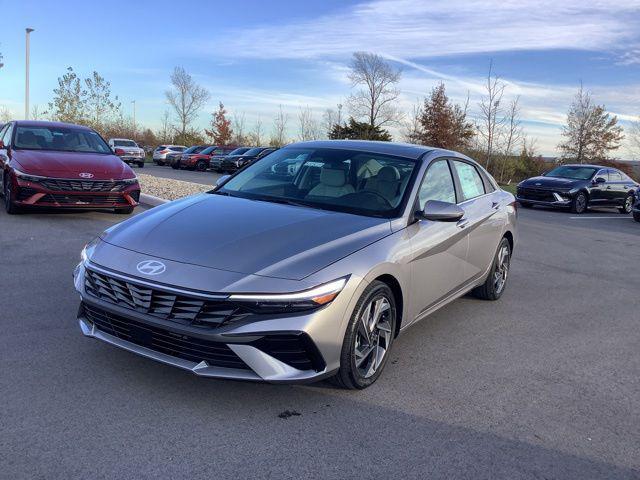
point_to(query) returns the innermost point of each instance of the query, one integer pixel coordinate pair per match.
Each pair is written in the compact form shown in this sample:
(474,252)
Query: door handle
(608,188)
(495,205)
(462,223)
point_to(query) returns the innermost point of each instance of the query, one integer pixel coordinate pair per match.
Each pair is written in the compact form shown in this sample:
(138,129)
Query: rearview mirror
(221,180)
(600,180)
(440,211)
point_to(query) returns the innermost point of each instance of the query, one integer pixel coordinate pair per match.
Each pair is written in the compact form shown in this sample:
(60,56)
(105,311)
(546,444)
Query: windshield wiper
(283,201)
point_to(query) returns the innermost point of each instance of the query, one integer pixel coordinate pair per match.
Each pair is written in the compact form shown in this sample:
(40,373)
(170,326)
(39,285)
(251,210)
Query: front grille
(536,194)
(63,199)
(182,309)
(294,349)
(164,341)
(25,192)
(82,185)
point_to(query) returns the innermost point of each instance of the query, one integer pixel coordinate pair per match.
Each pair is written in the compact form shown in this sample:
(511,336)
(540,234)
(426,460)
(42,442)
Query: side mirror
(440,211)
(1,145)
(222,179)
(600,180)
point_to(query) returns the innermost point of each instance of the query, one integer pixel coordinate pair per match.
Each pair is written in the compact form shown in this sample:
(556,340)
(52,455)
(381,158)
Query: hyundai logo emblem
(151,267)
(85,175)
(538,184)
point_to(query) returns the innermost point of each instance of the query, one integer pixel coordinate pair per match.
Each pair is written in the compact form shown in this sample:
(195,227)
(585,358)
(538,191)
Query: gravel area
(169,189)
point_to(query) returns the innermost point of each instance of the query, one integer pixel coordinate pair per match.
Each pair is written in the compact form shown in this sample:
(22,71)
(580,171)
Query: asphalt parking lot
(206,178)
(542,384)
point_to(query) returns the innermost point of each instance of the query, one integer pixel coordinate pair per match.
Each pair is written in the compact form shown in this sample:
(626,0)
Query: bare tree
(513,134)
(331,118)
(164,133)
(186,98)
(308,128)
(256,133)
(412,126)
(238,126)
(5,115)
(491,120)
(634,138)
(280,128)
(36,114)
(590,133)
(375,101)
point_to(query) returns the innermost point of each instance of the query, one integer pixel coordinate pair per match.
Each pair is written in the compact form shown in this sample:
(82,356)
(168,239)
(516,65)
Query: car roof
(407,150)
(586,165)
(43,123)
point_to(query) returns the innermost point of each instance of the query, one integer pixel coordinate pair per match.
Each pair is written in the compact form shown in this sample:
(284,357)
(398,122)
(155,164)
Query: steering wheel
(379,197)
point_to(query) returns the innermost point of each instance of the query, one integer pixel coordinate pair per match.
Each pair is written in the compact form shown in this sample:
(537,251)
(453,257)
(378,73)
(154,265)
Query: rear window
(253,151)
(124,143)
(177,149)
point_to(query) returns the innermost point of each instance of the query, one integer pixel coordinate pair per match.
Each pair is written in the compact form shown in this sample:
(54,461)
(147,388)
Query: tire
(352,375)
(496,282)
(175,166)
(636,216)
(7,192)
(201,166)
(124,211)
(580,203)
(141,165)
(160,163)
(628,205)
(526,205)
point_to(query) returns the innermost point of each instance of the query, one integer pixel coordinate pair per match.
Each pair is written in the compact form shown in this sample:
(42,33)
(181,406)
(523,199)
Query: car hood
(247,236)
(542,181)
(71,164)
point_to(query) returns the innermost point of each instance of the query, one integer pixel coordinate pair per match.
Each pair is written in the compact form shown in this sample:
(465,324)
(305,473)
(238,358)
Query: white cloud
(420,29)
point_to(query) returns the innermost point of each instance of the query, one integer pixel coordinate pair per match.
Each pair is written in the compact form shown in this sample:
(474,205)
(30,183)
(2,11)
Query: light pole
(26,80)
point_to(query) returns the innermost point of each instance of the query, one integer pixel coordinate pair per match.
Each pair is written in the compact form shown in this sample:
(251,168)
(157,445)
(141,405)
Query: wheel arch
(393,283)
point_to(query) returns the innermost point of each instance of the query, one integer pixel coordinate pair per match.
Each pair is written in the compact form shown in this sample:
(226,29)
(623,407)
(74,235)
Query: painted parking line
(582,217)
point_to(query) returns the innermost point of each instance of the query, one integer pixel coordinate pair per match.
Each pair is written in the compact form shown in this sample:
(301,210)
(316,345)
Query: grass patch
(511,188)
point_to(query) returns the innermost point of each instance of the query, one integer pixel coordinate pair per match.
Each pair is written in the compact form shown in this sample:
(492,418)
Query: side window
(614,176)
(2,130)
(603,174)
(437,184)
(470,180)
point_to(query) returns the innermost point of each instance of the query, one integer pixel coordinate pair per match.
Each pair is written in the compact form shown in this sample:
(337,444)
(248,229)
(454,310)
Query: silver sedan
(305,265)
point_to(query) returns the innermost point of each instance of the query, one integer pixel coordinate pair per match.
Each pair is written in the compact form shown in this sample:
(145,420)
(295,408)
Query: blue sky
(257,55)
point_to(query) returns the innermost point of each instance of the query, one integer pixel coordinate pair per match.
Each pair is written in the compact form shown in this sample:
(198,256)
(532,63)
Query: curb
(151,201)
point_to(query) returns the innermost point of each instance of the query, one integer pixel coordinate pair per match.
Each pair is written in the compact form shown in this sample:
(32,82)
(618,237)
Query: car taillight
(120,151)
(163,151)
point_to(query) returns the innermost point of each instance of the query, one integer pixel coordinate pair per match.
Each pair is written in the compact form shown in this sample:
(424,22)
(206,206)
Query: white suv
(128,151)
(160,153)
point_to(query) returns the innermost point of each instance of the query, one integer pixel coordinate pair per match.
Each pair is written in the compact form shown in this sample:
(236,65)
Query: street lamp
(26,83)
(134,118)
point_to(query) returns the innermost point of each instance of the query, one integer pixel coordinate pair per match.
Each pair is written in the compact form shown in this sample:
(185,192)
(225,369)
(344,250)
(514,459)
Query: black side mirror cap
(600,180)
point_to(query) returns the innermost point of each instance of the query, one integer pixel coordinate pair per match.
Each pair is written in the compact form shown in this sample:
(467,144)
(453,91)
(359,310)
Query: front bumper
(543,197)
(64,193)
(132,158)
(292,349)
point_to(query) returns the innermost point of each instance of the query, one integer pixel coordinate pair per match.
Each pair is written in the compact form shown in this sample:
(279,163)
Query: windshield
(195,149)
(573,172)
(253,151)
(239,151)
(342,180)
(64,139)
(124,143)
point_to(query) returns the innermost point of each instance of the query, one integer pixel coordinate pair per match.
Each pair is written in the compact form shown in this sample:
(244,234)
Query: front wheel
(579,204)
(494,285)
(141,165)
(368,338)
(201,166)
(9,206)
(628,205)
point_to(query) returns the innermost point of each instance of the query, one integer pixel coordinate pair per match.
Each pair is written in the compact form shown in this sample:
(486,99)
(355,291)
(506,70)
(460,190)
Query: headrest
(388,174)
(333,177)
(27,137)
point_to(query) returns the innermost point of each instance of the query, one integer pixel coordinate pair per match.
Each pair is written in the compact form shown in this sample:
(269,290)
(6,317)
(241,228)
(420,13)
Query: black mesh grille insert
(81,185)
(179,308)
(295,349)
(164,341)
(63,199)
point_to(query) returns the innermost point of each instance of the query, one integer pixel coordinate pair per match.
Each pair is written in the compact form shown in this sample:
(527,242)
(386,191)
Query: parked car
(174,159)
(51,164)
(201,161)
(161,152)
(305,276)
(636,206)
(579,187)
(128,151)
(231,163)
(214,162)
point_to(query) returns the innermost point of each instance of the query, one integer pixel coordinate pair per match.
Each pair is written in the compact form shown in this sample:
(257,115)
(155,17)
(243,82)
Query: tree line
(494,134)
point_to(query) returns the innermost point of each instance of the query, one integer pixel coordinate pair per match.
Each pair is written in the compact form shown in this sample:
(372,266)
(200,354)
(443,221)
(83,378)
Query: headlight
(88,249)
(130,181)
(26,177)
(290,302)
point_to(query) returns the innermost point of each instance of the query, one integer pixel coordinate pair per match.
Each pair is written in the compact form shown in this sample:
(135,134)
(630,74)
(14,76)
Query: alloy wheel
(581,203)
(373,336)
(502,268)
(628,204)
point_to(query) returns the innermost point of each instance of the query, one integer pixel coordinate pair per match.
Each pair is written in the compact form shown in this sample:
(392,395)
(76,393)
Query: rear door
(619,189)
(480,221)
(598,193)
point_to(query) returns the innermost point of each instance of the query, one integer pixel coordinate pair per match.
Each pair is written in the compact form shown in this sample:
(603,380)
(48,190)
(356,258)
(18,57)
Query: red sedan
(51,164)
